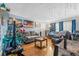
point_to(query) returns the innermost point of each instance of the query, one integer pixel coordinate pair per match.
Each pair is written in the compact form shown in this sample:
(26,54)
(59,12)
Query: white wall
(57,27)
(77,23)
(67,26)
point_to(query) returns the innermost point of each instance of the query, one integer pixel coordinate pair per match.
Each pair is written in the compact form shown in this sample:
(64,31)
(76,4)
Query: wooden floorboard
(31,50)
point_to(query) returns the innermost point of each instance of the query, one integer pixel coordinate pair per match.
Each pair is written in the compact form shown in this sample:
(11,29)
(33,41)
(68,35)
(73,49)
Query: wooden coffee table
(41,40)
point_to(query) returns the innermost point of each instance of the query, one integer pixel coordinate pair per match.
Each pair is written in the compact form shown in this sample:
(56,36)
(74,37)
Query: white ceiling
(44,12)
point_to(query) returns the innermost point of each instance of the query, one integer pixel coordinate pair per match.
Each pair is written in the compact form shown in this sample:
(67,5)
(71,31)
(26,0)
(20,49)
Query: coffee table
(41,40)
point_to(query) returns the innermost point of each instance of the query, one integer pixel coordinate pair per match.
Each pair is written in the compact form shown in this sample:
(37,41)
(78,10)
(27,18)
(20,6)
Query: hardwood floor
(31,50)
